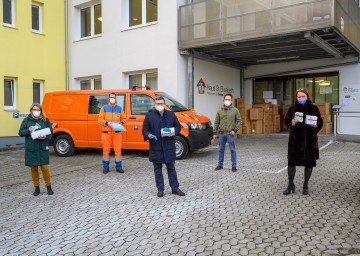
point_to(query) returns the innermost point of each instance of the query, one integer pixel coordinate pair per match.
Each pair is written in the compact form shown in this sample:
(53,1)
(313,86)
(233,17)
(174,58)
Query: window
(8,13)
(97,101)
(142,12)
(85,85)
(36,13)
(91,21)
(9,93)
(141,104)
(149,78)
(90,84)
(37,91)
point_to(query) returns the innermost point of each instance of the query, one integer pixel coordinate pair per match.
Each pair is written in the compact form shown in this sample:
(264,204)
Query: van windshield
(173,104)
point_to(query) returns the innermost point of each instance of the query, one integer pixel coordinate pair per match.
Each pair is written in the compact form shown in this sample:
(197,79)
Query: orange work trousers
(108,140)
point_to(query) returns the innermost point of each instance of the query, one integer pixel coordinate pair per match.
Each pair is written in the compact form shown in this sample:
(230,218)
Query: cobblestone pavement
(223,213)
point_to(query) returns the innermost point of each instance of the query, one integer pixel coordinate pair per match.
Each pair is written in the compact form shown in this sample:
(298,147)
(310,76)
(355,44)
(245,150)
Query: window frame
(144,10)
(40,18)
(144,77)
(13,93)
(12,24)
(41,88)
(92,82)
(92,20)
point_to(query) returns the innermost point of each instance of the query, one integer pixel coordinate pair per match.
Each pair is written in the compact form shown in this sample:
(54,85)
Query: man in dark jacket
(160,126)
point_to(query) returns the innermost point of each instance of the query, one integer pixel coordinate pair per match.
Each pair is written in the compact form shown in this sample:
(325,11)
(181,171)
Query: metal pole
(335,124)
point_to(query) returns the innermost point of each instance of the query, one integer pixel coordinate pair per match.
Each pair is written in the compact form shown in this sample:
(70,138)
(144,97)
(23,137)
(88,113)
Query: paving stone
(222,213)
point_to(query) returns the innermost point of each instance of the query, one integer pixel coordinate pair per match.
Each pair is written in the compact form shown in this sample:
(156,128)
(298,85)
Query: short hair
(160,98)
(303,90)
(228,94)
(112,93)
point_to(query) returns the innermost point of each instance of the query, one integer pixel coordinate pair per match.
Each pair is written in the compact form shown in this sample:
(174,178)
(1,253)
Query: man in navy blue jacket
(157,123)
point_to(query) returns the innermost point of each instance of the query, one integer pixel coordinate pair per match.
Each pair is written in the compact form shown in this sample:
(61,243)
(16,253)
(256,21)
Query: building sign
(20,115)
(215,90)
(350,89)
(201,86)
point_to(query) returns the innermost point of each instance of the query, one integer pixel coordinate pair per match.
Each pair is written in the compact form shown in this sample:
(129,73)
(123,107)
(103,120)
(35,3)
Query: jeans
(223,138)
(159,178)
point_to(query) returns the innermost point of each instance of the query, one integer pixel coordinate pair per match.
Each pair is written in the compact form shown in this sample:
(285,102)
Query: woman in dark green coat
(37,149)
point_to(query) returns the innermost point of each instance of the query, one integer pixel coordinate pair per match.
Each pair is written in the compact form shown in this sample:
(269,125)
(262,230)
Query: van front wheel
(64,145)
(181,148)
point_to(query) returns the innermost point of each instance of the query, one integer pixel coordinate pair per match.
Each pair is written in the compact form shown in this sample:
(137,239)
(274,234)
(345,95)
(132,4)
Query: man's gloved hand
(152,136)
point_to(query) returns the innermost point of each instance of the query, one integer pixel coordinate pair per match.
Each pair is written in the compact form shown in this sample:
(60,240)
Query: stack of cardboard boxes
(325,111)
(259,118)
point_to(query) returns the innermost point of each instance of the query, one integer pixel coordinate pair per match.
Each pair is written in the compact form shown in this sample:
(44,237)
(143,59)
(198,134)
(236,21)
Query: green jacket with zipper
(227,119)
(36,151)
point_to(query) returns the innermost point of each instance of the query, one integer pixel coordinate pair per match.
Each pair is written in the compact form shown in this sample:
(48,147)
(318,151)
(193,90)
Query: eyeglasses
(36,109)
(301,89)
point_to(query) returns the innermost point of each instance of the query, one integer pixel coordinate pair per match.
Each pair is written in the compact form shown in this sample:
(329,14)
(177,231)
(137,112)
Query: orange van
(74,115)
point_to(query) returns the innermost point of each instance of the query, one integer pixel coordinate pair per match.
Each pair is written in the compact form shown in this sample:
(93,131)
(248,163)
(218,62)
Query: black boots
(37,191)
(289,190)
(49,190)
(120,170)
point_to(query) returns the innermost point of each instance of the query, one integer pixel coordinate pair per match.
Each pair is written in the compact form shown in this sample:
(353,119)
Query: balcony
(251,32)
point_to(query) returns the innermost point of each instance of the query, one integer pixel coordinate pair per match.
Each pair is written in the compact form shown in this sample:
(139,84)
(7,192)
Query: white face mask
(112,100)
(160,108)
(36,113)
(227,103)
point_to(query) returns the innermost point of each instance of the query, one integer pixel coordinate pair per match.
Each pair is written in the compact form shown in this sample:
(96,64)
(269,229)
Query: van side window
(97,101)
(141,104)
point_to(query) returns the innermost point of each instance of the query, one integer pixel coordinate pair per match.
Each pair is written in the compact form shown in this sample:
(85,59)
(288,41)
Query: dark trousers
(159,178)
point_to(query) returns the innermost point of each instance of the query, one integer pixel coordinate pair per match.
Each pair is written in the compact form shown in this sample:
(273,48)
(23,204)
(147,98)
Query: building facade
(32,62)
(192,49)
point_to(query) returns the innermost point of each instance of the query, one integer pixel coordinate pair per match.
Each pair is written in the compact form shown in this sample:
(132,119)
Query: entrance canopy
(253,32)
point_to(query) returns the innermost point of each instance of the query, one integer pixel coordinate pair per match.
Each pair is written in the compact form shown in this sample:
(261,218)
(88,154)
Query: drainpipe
(66,46)
(190,75)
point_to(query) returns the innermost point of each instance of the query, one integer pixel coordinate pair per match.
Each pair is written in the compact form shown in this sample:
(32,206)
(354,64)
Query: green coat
(227,119)
(36,151)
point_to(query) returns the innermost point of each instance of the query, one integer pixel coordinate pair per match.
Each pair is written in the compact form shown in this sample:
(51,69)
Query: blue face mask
(302,100)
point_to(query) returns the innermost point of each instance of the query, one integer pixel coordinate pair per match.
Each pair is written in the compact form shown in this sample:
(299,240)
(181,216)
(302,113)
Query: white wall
(120,50)
(219,80)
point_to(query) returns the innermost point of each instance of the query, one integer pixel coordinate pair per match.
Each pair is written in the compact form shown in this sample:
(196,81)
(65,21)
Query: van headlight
(197,126)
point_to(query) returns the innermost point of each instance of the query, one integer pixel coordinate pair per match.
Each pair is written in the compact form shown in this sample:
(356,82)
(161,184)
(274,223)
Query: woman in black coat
(303,149)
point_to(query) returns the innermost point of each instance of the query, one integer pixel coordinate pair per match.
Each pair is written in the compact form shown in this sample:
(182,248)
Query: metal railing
(337,114)
(216,21)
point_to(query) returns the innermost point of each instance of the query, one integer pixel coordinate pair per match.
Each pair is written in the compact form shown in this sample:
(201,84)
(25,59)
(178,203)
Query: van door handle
(132,117)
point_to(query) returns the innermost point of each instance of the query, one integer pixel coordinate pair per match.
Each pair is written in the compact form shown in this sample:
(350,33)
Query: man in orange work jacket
(111,114)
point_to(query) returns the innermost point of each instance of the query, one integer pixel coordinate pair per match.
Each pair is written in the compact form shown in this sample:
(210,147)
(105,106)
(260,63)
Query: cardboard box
(326,118)
(267,128)
(256,114)
(264,106)
(256,127)
(325,108)
(239,102)
(275,109)
(246,129)
(326,129)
